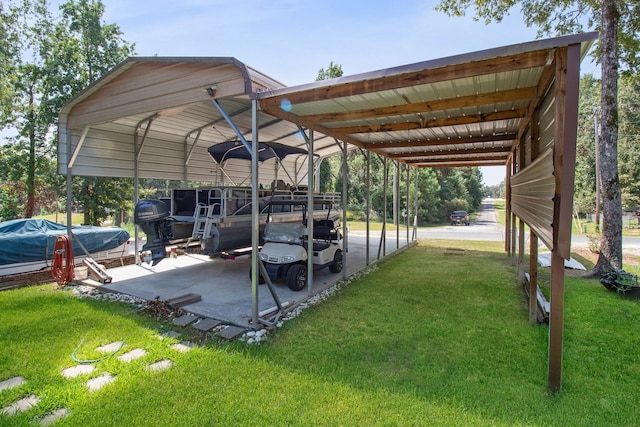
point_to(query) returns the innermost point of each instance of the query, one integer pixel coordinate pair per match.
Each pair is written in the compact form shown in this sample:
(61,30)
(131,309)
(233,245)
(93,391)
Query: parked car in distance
(459,217)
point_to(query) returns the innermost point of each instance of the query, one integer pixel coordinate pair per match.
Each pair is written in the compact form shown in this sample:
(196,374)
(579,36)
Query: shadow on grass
(430,338)
(449,331)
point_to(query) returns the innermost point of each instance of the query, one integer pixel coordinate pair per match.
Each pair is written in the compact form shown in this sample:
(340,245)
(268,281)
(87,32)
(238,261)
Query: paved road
(486,227)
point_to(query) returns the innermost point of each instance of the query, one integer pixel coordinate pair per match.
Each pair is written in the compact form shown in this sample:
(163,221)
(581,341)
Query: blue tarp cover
(31,240)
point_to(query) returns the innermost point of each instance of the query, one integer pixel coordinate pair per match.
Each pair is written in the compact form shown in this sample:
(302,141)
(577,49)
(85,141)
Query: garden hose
(83,361)
(62,260)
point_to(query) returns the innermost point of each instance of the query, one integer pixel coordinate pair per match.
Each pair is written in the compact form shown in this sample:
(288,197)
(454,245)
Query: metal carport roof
(465,110)
(157,115)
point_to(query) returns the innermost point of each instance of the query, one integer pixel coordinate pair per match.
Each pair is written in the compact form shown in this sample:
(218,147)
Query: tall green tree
(82,49)
(584,196)
(27,26)
(47,60)
(618,22)
(329,166)
(9,48)
(332,71)
(629,141)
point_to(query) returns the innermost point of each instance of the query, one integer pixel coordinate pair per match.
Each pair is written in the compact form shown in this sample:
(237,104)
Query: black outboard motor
(152,216)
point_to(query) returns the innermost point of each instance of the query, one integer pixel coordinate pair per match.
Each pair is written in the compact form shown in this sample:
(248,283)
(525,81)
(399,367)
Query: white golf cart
(284,252)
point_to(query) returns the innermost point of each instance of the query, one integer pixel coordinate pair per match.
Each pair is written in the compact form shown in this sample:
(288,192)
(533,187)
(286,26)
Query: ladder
(203,219)
(200,221)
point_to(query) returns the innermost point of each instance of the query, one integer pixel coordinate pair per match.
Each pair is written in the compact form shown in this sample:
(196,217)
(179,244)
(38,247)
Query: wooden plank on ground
(182,300)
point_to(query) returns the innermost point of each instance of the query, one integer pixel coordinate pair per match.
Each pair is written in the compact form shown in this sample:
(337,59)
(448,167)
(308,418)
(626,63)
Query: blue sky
(291,40)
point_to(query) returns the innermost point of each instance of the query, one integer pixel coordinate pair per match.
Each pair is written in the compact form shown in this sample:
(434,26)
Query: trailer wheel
(297,277)
(261,280)
(337,264)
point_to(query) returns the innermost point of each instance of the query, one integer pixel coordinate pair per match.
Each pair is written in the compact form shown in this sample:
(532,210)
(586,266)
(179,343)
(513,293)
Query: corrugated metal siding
(547,120)
(533,188)
(532,192)
(140,91)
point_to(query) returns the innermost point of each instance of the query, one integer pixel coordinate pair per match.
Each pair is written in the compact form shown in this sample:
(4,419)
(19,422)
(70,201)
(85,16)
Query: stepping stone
(206,324)
(171,334)
(184,320)
(231,332)
(11,383)
(98,382)
(182,347)
(136,353)
(110,348)
(160,365)
(21,405)
(76,371)
(54,416)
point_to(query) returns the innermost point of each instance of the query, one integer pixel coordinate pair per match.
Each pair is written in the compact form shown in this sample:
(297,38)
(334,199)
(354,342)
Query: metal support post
(407,203)
(368,203)
(310,215)
(345,228)
(255,213)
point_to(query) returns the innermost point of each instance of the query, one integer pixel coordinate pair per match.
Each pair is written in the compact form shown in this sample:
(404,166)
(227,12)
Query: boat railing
(219,204)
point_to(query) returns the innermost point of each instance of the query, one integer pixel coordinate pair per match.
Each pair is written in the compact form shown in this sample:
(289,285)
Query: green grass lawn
(426,339)
(61,218)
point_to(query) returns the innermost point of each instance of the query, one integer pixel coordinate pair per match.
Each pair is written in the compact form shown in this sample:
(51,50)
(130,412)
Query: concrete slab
(134,354)
(12,383)
(206,324)
(97,383)
(54,416)
(21,405)
(224,285)
(76,371)
(160,365)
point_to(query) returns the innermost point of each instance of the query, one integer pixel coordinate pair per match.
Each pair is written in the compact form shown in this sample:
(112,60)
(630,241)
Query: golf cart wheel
(336,265)
(297,277)
(261,280)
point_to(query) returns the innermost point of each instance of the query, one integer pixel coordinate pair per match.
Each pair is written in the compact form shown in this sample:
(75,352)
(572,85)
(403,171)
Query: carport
(514,106)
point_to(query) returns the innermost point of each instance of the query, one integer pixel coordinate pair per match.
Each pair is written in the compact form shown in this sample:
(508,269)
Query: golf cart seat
(325,229)
(324,233)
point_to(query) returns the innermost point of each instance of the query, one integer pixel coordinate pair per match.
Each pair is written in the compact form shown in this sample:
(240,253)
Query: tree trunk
(611,239)
(30,207)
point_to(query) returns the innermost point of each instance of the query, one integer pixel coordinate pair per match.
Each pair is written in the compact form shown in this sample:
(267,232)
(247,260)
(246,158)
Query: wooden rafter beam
(426,154)
(436,142)
(449,159)
(507,63)
(457,164)
(452,121)
(317,127)
(422,107)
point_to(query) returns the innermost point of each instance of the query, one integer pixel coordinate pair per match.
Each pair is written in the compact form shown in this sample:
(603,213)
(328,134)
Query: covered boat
(27,244)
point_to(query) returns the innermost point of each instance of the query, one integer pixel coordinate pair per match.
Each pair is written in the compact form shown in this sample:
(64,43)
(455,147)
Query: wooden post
(521,251)
(533,237)
(533,278)
(564,157)
(507,225)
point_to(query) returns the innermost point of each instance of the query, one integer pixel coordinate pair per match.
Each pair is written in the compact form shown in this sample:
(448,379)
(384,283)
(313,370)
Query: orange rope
(62,267)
